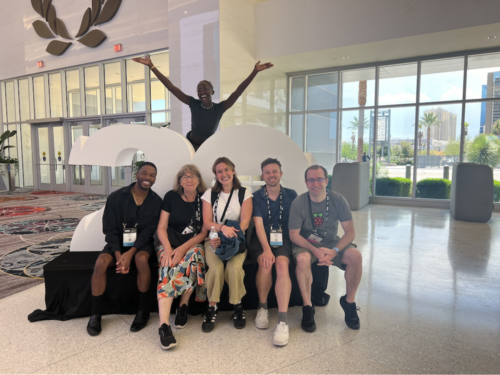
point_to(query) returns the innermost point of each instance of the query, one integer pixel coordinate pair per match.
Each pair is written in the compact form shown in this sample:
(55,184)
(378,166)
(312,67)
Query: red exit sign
(117,47)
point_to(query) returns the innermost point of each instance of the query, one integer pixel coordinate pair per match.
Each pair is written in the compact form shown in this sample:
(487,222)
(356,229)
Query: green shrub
(436,188)
(393,187)
(496,191)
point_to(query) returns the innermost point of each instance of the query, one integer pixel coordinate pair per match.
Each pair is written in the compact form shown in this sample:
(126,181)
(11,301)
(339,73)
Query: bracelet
(220,228)
(336,249)
(152,67)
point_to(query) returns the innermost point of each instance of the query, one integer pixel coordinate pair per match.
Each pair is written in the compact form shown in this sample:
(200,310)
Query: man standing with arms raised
(270,244)
(129,222)
(314,220)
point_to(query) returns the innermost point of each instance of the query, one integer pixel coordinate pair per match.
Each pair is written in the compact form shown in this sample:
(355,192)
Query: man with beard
(270,244)
(129,222)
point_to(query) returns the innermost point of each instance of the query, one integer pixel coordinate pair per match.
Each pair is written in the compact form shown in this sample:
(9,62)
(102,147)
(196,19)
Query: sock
(143,302)
(97,304)
(282,317)
(215,307)
(262,306)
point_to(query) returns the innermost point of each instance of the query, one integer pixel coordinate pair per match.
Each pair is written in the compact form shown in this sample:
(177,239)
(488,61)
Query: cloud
(400,98)
(453,93)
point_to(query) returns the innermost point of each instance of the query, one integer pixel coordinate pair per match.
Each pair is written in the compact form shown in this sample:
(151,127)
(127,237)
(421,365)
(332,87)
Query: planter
(8,173)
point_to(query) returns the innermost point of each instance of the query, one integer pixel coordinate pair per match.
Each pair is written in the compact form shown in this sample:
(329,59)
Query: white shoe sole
(280,343)
(168,347)
(262,327)
(180,327)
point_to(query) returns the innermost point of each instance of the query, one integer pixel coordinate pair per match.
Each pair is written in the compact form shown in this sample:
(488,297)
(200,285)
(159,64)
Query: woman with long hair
(180,255)
(227,200)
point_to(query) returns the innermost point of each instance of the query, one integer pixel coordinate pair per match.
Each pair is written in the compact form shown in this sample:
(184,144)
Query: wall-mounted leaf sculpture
(108,11)
(61,29)
(42,29)
(52,19)
(93,39)
(57,47)
(85,26)
(37,6)
(96,10)
(46,6)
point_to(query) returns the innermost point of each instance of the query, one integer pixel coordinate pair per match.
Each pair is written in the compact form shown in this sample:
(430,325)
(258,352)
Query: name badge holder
(191,228)
(275,235)
(129,235)
(315,236)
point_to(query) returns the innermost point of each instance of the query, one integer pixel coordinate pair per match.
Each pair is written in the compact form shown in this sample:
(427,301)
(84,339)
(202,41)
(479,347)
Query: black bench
(68,289)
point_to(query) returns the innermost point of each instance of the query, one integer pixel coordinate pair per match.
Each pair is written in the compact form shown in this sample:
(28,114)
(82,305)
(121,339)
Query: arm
(167,251)
(243,85)
(267,256)
(347,238)
(246,214)
(166,82)
(111,227)
(182,250)
(300,241)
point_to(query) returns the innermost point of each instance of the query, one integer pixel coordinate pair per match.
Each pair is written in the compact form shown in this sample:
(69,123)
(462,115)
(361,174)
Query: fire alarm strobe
(39,64)
(117,47)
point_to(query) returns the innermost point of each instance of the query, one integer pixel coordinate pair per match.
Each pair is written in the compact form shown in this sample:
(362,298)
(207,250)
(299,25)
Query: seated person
(270,244)
(313,224)
(180,254)
(229,201)
(129,222)
(205,115)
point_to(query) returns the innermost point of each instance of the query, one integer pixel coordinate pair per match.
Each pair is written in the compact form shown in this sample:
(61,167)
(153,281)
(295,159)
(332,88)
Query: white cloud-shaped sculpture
(246,145)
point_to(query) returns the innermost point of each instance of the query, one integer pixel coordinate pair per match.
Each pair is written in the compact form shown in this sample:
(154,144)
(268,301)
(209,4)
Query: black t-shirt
(204,122)
(181,212)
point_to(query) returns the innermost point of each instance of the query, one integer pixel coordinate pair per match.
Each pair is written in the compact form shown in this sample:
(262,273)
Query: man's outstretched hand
(143,60)
(259,66)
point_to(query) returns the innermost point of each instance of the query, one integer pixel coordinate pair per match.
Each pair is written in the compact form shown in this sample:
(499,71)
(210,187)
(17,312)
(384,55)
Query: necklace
(208,107)
(135,199)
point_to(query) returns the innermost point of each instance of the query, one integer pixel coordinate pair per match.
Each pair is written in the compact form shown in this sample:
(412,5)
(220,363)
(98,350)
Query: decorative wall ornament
(55,26)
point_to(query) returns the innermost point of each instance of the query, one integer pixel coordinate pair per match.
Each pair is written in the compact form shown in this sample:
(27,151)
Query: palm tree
(484,149)
(361,121)
(466,127)
(429,120)
(495,129)
(355,124)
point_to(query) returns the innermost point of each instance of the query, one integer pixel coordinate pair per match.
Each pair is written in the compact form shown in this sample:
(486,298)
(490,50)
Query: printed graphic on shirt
(318,219)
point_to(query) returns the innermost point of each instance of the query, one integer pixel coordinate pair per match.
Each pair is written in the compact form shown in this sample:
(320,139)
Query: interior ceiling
(393,49)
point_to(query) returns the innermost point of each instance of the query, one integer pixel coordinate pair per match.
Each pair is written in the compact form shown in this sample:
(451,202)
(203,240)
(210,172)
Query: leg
(234,276)
(304,276)
(214,278)
(103,262)
(354,262)
(283,287)
(263,280)
(185,298)
(143,272)
(164,305)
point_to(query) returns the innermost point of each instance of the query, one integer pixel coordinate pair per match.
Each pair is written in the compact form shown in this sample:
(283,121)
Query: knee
(262,269)
(353,257)
(303,261)
(281,267)
(101,265)
(141,260)
(233,269)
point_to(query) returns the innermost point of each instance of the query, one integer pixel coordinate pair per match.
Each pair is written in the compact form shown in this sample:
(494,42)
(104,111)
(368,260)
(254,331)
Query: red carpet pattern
(21,210)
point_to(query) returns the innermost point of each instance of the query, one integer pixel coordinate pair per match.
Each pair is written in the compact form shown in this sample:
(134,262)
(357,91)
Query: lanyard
(126,212)
(312,217)
(197,212)
(269,207)
(225,209)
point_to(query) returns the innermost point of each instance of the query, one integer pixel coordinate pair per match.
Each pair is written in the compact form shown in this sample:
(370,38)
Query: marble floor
(429,299)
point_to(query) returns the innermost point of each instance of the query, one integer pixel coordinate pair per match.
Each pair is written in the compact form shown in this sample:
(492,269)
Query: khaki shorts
(337,261)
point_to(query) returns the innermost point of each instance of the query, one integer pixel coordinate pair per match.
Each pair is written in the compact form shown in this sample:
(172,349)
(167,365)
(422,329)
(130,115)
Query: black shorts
(255,248)
(146,248)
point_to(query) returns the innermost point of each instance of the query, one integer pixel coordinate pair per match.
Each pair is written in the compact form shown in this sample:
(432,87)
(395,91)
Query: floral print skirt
(188,274)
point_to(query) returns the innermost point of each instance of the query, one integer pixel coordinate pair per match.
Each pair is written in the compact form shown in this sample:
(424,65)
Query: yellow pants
(216,274)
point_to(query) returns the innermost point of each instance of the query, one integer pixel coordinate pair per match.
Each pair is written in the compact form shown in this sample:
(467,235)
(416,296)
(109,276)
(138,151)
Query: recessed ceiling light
(492,37)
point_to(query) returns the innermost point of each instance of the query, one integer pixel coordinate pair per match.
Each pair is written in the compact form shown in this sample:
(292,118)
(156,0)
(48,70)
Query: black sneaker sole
(207,329)
(308,329)
(168,347)
(93,333)
(240,327)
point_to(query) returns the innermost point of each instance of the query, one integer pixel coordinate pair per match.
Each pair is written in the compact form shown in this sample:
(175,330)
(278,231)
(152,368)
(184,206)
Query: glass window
(397,84)
(482,137)
(358,88)
(27,155)
(298,94)
(96,172)
(73,93)
(92,91)
(483,76)
(357,129)
(24,100)
(160,119)
(112,81)
(160,98)
(297,129)
(10,102)
(322,91)
(78,170)
(321,138)
(136,88)
(438,135)
(39,96)
(395,151)
(55,95)
(442,80)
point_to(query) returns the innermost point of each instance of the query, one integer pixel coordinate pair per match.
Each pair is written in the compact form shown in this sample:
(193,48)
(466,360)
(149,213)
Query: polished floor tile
(429,300)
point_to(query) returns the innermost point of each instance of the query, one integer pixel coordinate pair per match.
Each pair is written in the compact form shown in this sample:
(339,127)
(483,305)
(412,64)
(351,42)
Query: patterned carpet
(35,227)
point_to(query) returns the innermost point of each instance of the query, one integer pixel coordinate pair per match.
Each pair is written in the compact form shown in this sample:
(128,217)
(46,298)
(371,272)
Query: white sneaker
(281,334)
(261,320)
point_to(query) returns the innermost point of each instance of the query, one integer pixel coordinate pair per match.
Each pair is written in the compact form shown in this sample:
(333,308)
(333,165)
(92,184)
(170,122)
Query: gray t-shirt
(300,217)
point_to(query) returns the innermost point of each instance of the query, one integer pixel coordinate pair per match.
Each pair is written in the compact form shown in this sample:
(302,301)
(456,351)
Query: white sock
(215,306)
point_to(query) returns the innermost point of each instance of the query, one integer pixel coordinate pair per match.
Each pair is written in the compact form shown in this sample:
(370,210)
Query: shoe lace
(262,311)
(281,328)
(210,315)
(182,311)
(164,331)
(239,313)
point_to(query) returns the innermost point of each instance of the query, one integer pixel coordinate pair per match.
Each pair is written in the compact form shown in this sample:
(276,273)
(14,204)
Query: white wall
(285,27)
(139,25)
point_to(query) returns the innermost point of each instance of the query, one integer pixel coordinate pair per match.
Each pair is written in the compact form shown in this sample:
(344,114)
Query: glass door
(86,178)
(124,176)
(51,157)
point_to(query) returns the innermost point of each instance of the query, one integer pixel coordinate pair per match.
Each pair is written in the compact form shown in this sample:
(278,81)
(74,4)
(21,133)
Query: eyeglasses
(313,180)
(186,177)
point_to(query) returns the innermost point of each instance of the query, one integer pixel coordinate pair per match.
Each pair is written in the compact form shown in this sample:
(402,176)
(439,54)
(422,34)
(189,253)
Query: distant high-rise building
(492,108)
(447,128)
(484,94)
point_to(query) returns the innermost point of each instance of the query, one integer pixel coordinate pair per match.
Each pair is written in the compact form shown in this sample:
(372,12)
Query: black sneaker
(308,324)
(167,339)
(181,318)
(351,313)
(94,325)
(239,317)
(209,322)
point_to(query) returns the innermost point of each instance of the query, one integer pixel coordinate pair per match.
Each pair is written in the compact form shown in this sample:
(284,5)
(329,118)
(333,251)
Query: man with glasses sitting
(313,225)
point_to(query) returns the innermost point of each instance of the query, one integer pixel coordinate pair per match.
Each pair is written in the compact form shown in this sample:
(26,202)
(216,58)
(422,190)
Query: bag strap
(241,195)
